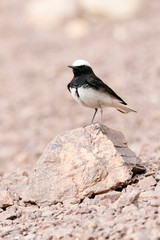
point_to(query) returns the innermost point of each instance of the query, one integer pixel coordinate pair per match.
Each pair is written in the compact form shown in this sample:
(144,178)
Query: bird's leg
(94,115)
(101,114)
(101,119)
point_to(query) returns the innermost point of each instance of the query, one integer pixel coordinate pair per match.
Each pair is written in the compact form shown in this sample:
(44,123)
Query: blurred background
(40,38)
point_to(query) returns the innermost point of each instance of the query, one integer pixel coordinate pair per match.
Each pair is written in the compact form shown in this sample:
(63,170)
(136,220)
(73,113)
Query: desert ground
(36,106)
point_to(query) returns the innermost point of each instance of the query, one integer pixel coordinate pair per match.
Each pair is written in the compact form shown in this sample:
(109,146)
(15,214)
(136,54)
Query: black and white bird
(90,91)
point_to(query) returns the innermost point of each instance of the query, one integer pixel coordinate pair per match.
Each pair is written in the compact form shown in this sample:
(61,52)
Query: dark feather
(68,86)
(98,84)
(77,92)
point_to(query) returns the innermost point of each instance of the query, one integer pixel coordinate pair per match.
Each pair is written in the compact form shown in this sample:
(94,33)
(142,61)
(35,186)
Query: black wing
(68,86)
(98,84)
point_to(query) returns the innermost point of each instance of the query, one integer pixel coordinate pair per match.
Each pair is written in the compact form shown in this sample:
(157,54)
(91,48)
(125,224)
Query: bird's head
(81,67)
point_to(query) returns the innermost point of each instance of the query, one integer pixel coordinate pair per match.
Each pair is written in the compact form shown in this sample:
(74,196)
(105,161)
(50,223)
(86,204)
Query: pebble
(47,214)
(30,236)
(147,182)
(157,176)
(154,202)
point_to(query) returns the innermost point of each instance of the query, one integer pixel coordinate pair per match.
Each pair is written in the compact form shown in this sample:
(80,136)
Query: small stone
(30,236)
(127,197)
(154,202)
(120,227)
(157,190)
(38,214)
(107,198)
(157,176)
(146,195)
(5,199)
(16,197)
(140,235)
(129,209)
(147,182)
(9,215)
(32,215)
(47,213)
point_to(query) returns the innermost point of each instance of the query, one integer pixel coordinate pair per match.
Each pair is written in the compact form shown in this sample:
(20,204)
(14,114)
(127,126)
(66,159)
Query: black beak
(70,66)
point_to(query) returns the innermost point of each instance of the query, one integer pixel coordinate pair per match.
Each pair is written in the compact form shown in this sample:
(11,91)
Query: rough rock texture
(79,163)
(132,213)
(5,199)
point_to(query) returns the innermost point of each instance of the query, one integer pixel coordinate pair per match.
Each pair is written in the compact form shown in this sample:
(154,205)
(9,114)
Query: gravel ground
(36,106)
(131,213)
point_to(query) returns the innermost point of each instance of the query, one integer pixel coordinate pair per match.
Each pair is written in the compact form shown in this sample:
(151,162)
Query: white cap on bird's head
(80,62)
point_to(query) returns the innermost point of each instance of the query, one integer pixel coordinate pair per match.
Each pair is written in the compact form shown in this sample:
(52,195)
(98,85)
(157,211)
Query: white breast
(92,98)
(74,95)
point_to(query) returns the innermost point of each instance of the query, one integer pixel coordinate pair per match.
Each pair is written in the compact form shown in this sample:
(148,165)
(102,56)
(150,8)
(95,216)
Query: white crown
(81,62)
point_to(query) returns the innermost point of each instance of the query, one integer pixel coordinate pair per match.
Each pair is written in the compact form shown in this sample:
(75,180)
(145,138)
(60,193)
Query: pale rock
(155,202)
(109,213)
(130,209)
(15,182)
(16,197)
(5,231)
(157,190)
(140,235)
(33,216)
(107,198)
(79,163)
(120,227)
(8,215)
(47,213)
(38,214)
(151,196)
(146,195)
(6,199)
(30,236)
(147,182)
(127,197)
(157,176)
(153,232)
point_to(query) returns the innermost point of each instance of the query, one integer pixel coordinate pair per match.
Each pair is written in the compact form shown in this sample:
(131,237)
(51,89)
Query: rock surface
(5,199)
(79,163)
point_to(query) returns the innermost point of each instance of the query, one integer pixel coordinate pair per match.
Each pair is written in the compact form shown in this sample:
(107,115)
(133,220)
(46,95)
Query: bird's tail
(124,109)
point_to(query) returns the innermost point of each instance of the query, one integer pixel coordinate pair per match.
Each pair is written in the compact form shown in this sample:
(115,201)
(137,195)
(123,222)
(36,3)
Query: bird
(90,91)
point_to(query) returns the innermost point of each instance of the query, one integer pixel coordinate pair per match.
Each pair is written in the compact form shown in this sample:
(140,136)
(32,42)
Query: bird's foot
(101,127)
(93,123)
